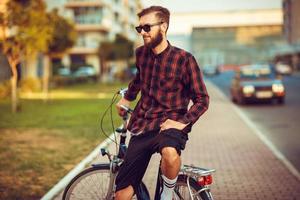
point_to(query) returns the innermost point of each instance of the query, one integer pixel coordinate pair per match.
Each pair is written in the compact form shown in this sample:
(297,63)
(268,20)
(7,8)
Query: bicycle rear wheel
(181,191)
(91,183)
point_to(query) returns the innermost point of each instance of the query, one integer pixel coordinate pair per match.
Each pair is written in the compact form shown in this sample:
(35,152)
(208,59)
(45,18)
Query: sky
(213,5)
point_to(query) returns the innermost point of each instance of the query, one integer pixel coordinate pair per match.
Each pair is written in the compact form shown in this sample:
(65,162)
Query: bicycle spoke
(92,185)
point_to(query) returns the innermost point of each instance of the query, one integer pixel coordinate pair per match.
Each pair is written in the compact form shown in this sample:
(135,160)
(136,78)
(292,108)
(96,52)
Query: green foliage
(64,34)
(30,85)
(29,27)
(1,19)
(5,89)
(120,48)
(26,85)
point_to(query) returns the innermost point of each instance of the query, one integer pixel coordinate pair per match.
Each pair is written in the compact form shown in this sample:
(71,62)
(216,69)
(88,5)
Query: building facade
(96,21)
(291,18)
(236,45)
(229,37)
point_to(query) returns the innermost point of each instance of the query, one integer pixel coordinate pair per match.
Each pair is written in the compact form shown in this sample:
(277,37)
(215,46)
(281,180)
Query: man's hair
(160,12)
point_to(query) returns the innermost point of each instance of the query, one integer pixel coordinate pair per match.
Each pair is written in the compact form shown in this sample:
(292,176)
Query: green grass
(76,114)
(93,88)
(40,144)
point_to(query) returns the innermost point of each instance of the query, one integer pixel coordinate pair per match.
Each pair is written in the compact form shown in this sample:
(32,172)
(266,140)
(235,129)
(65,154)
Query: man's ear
(164,27)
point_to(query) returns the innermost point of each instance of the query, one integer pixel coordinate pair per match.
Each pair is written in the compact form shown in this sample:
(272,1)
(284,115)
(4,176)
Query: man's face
(154,36)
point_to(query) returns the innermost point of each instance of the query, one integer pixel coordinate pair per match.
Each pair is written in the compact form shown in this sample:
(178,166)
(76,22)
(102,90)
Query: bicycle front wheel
(91,183)
(182,192)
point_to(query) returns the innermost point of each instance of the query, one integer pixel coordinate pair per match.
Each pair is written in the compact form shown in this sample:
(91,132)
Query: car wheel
(240,100)
(280,100)
(233,99)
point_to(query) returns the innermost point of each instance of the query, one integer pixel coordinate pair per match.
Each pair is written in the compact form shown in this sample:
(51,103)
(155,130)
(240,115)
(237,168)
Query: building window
(80,41)
(88,15)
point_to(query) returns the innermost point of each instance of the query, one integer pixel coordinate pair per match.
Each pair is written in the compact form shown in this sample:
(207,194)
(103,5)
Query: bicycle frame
(116,161)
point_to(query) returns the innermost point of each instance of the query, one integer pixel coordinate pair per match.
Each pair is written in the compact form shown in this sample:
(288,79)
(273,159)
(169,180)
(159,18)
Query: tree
(123,48)
(119,49)
(25,32)
(63,38)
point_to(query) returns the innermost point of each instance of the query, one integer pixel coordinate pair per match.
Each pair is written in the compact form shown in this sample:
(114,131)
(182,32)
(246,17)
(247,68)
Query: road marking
(264,139)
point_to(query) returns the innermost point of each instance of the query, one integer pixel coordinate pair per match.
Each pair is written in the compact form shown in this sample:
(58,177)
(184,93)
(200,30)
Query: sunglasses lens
(147,28)
(138,29)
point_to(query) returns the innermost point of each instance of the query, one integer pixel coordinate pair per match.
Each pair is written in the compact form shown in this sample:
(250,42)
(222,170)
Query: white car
(283,69)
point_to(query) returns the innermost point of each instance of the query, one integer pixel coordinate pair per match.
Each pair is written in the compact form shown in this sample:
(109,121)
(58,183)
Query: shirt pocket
(169,83)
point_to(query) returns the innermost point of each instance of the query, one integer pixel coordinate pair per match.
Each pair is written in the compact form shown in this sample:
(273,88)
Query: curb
(79,167)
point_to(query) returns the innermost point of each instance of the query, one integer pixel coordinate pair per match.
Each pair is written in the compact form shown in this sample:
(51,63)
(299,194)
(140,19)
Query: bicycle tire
(181,191)
(86,185)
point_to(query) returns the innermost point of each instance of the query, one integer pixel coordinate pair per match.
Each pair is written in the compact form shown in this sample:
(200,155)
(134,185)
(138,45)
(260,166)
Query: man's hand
(169,123)
(123,102)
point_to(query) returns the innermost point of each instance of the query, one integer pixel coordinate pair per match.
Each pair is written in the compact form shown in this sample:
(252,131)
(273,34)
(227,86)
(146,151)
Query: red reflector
(205,180)
(201,181)
(208,180)
(280,93)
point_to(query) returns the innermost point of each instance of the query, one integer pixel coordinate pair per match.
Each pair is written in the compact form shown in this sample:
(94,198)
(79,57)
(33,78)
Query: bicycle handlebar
(128,110)
(123,91)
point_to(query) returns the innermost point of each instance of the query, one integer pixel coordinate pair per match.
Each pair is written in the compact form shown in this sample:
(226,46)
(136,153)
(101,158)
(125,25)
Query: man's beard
(155,41)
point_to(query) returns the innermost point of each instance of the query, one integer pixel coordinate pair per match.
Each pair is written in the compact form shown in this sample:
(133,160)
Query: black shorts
(140,150)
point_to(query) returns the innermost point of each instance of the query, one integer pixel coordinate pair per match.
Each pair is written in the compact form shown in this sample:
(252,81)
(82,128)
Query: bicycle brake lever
(105,152)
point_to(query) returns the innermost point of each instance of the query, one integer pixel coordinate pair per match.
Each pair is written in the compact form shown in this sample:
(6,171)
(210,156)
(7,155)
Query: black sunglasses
(146,27)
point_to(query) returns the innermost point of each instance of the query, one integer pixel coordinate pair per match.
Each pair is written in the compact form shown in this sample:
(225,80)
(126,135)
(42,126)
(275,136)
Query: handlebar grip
(128,110)
(123,91)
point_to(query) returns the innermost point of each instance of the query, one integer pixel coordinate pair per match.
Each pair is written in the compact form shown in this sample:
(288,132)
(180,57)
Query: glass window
(255,72)
(88,15)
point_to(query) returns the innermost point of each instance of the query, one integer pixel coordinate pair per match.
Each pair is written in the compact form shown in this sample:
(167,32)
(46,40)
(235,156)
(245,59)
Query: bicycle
(98,181)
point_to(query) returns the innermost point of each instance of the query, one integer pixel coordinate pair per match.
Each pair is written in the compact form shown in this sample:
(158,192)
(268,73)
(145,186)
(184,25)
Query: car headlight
(277,87)
(248,89)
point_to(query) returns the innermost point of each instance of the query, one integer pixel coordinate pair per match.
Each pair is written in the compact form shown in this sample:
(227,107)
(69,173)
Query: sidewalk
(246,167)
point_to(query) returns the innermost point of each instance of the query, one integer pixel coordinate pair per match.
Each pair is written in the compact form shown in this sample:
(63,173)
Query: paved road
(279,123)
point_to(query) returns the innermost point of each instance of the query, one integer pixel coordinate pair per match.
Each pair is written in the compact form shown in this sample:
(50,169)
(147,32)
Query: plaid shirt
(167,82)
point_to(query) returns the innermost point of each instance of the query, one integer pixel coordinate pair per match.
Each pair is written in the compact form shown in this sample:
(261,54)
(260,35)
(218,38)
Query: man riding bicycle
(168,78)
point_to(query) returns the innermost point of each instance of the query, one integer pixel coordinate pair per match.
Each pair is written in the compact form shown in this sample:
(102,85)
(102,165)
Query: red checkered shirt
(167,82)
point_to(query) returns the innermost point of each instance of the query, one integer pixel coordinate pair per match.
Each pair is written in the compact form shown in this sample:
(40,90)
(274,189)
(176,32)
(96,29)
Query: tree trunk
(46,73)
(102,68)
(14,88)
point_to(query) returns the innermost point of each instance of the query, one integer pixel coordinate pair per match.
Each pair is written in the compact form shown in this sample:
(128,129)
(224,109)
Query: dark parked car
(85,73)
(256,82)
(64,72)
